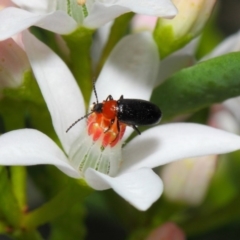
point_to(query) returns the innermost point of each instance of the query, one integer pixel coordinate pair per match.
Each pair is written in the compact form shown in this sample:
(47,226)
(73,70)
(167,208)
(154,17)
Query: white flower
(102,11)
(41,13)
(187,180)
(192,16)
(53,15)
(130,70)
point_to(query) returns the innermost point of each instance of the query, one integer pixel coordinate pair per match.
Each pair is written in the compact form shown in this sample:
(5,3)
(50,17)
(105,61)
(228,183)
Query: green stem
(79,43)
(9,207)
(18,179)
(56,206)
(118,30)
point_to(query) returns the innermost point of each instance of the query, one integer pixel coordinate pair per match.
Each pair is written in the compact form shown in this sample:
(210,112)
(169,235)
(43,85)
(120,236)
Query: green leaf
(12,114)
(210,220)
(221,189)
(26,235)
(9,208)
(48,179)
(20,107)
(28,91)
(196,87)
(68,195)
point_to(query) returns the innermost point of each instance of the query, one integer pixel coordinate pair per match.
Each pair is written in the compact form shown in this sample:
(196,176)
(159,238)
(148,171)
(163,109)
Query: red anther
(101,127)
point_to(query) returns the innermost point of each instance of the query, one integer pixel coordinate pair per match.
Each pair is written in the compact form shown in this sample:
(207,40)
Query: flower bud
(172,34)
(188,180)
(13,64)
(168,231)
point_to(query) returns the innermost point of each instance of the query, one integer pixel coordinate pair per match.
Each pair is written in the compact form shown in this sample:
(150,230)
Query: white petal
(170,142)
(225,120)
(158,8)
(14,20)
(31,147)
(130,70)
(188,180)
(140,188)
(100,15)
(232,105)
(59,88)
(43,6)
(101,12)
(143,23)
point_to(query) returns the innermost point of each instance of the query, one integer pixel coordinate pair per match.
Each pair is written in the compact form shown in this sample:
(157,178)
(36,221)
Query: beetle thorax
(109,109)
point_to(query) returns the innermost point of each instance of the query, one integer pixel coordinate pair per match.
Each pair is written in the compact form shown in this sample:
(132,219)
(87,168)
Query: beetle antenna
(78,121)
(94,89)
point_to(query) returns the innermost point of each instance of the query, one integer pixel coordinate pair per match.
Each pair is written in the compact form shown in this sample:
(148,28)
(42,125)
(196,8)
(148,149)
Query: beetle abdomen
(138,112)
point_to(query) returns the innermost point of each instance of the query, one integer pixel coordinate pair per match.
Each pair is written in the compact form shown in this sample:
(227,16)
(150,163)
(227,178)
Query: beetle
(132,112)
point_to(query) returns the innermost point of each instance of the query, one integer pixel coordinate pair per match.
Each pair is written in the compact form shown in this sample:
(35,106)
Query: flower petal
(59,88)
(158,8)
(232,105)
(130,70)
(42,6)
(184,182)
(6,3)
(14,20)
(31,147)
(140,188)
(101,12)
(14,63)
(170,142)
(100,15)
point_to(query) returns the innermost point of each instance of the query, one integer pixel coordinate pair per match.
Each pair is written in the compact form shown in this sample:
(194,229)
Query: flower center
(110,131)
(99,146)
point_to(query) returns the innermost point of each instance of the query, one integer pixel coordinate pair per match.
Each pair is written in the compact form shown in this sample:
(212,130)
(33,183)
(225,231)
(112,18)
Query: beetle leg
(136,129)
(110,125)
(109,98)
(118,126)
(118,129)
